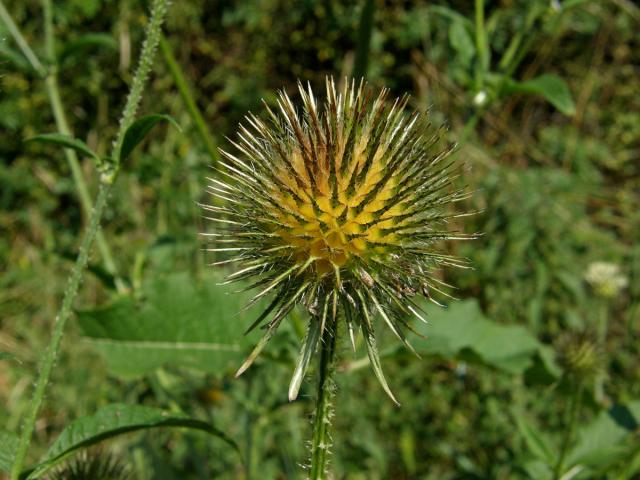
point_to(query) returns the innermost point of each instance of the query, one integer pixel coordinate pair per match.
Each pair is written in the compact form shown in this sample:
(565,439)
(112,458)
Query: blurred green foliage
(543,100)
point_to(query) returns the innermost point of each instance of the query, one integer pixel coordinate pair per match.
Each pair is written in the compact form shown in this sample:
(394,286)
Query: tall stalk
(187,97)
(321,440)
(572,414)
(152,36)
(50,77)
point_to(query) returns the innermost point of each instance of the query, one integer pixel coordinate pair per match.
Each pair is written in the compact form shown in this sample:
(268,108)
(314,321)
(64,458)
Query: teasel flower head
(92,465)
(336,207)
(580,356)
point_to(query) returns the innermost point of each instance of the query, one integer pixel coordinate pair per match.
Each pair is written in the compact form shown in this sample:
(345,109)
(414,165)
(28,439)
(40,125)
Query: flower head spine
(336,208)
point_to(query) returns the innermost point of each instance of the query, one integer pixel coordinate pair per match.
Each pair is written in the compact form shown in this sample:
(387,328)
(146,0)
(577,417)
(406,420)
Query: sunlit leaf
(461,41)
(8,446)
(462,327)
(178,322)
(604,440)
(553,88)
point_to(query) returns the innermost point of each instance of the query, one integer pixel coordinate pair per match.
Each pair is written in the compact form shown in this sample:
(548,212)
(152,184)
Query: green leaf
(601,442)
(14,57)
(8,447)
(111,421)
(139,129)
(7,356)
(89,41)
(65,141)
(553,88)
(453,15)
(178,322)
(462,328)
(538,444)
(461,41)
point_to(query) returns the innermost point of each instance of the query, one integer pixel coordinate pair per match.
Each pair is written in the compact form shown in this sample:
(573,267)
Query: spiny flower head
(336,207)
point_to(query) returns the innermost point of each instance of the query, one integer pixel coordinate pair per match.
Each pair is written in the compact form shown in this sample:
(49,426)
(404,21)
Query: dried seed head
(337,208)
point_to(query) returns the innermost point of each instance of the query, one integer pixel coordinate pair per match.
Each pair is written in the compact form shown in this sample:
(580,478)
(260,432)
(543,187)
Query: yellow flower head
(337,208)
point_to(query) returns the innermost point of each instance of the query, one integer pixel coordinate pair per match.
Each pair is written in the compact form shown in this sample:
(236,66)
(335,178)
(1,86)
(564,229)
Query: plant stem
(481,44)
(22,43)
(322,421)
(574,408)
(187,98)
(151,41)
(53,93)
(51,83)
(58,329)
(158,11)
(602,328)
(363,47)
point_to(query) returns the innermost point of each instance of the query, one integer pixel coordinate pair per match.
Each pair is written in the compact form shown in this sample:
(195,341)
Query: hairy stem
(322,421)
(573,409)
(158,11)
(53,93)
(58,329)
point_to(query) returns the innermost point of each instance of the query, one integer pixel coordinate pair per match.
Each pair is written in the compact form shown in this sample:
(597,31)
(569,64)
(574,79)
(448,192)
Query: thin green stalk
(602,328)
(365,29)
(481,44)
(187,98)
(53,93)
(158,11)
(322,422)
(51,83)
(574,408)
(22,43)
(153,33)
(58,329)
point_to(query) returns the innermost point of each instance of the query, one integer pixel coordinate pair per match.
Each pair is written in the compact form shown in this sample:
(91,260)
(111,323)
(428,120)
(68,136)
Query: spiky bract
(337,208)
(95,465)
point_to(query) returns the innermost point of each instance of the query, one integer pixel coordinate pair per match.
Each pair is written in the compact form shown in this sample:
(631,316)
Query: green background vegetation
(542,98)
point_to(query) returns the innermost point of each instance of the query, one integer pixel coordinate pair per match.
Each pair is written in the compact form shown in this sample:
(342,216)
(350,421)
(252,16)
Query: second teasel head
(337,206)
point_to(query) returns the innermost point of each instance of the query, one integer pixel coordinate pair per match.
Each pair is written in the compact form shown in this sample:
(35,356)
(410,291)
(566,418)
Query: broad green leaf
(111,421)
(600,443)
(537,442)
(139,129)
(538,470)
(89,41)
(178,322)
(553,88)
(461,41)
(65,141)
(462,328)
(8,446)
